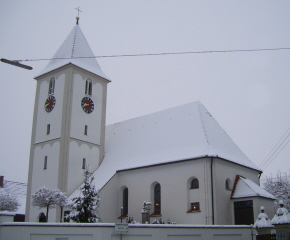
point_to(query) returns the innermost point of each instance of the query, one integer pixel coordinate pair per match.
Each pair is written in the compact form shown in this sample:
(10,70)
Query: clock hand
(46,104)
(86,104)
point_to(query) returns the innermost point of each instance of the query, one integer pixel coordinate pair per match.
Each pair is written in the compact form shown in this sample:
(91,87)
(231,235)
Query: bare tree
(8,201)
(48,198)
(279,186)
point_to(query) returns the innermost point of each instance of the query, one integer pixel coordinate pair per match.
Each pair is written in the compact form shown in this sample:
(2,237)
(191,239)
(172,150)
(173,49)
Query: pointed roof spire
(76,50)
(78,18)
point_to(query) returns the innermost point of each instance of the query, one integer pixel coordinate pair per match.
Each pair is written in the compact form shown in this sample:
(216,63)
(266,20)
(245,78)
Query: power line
(278,147)
(277,153)
(162,54)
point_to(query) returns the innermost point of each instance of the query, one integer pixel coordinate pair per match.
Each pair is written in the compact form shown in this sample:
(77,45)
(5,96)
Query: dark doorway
(244,212)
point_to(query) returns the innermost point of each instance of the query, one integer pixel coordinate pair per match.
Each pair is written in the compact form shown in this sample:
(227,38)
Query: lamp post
(146,212)
(15,63)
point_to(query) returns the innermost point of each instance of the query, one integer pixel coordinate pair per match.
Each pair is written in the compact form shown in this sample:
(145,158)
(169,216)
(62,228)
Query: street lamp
(146,212)
(15,63)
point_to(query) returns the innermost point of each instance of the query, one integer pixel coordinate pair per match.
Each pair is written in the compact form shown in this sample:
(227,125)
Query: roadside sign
(121,228)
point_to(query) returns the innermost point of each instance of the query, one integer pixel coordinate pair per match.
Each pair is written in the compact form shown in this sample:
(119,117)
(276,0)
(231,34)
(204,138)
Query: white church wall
(175,196)
(110,206)
(44,177)
(79,152)
(54,118)
(224,170)
(79,118)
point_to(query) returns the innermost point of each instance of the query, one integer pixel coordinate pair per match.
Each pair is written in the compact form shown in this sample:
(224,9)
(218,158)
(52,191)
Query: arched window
(228,184)
(51,86)
(89,86)
(194,183)
(157,198)
(125,201)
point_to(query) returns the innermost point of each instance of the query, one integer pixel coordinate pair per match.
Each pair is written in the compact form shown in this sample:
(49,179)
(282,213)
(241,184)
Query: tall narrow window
(86,130)
(45,163)
(48,129)
(157,198)
(125,201)
(194,183)
(51,86)
(89,86)
(84,164)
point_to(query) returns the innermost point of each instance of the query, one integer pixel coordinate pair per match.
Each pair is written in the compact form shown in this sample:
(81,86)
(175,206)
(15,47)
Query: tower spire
(78,18)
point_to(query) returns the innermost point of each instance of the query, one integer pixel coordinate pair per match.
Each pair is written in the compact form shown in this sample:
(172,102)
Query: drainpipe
(212,197)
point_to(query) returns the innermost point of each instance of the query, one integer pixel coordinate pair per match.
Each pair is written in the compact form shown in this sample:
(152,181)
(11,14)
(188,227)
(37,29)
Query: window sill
(193,211)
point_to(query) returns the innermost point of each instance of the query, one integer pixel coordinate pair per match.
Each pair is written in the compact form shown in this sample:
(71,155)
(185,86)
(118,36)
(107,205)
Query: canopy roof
(246,188)
(76,50)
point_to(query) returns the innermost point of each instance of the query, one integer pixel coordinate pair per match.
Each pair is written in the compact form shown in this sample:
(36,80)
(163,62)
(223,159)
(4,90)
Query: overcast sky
(246,92)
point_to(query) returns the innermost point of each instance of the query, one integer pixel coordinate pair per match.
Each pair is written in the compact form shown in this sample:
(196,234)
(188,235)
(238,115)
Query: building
(19,190)
(179,159)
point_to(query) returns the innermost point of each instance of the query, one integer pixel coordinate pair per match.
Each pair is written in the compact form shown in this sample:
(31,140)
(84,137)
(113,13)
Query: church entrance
(244,213)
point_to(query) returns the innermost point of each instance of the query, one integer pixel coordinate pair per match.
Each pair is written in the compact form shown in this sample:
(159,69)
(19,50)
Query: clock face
(49,103)
(87,104)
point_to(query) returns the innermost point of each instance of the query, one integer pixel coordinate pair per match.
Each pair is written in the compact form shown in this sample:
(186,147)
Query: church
(179,159)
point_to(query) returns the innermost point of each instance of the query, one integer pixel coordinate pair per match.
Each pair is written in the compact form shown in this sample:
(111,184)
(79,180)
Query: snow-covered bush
(8,201)
(280,188)
(48,198)
(85,207)
(131,220)
(282,215)
(263,220)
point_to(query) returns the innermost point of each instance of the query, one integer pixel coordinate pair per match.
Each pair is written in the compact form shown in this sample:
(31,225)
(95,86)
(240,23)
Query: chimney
(1,181)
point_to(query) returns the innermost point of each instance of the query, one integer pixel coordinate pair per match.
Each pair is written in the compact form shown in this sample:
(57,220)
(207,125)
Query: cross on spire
(78,9)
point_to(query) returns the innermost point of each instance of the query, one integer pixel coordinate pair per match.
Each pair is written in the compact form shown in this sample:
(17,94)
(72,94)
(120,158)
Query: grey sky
(247,93)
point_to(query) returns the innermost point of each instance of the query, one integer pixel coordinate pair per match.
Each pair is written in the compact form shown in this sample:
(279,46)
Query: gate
(266,237)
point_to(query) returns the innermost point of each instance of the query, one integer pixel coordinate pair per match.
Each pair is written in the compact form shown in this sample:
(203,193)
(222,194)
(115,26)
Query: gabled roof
(19,190)
(76,50)
(246,188)
(180,133)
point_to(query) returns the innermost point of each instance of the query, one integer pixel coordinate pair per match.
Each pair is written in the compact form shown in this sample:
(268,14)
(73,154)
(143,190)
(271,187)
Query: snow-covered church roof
(76,50)
(180,133)
(246,188)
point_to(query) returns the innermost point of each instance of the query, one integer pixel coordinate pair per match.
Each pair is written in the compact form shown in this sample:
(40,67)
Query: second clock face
(87,104)
(49,103)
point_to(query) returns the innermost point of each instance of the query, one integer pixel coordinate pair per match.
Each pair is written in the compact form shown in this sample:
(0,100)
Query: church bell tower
(69,121)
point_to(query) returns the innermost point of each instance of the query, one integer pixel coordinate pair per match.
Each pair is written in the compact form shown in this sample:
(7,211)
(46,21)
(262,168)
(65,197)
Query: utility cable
(162,54)
(278,147)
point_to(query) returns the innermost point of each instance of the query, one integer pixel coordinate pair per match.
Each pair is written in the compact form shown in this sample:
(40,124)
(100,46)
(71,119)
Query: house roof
(180,133)
(246,188)
(76,50)
(19,190)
